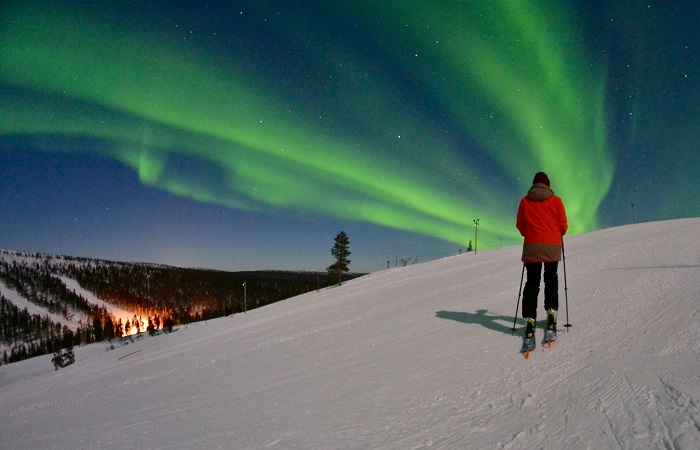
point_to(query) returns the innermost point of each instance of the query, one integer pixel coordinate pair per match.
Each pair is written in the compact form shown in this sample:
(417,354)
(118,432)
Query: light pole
(476,234)
(245,299)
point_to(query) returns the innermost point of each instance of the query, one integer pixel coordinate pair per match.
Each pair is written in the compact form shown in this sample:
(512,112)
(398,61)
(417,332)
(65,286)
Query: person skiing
(542,222)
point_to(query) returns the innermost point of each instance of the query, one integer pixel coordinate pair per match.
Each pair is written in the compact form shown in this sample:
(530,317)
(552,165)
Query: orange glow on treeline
(131,324)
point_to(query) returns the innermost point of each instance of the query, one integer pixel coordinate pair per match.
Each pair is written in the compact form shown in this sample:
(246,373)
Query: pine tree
(119,331)
(97,328)
(151,328)
(168,324)
(340,252)
(108,328)
(67,341)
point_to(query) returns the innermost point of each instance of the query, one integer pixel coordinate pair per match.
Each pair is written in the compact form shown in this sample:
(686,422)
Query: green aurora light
(210,127)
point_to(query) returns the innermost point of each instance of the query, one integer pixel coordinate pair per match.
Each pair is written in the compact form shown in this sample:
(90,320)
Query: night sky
(243,135)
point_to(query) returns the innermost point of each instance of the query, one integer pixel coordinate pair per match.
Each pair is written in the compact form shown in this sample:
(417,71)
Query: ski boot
(529,338)
(550,334)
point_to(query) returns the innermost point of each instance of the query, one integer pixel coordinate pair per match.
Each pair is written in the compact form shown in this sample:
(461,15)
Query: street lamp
(245,299)
(476,234)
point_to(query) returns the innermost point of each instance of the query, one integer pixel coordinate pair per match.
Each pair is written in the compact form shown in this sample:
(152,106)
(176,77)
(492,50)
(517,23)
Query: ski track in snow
(75,317)
(414,357)
(34,309)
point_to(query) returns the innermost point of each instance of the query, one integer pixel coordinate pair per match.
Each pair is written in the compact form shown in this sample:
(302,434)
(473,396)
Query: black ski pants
(532,287)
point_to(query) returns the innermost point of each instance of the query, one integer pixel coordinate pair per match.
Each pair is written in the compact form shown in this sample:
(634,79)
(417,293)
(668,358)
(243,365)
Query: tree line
(27,335)
(160,297)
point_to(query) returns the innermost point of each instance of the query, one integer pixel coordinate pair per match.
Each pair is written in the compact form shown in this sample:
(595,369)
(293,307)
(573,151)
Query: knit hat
(541,177)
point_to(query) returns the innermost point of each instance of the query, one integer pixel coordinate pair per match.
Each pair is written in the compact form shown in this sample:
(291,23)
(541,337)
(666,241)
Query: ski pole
(566,288)
(520,289)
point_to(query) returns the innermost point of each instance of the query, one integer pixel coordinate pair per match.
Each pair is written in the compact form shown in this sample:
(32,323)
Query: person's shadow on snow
(482,317)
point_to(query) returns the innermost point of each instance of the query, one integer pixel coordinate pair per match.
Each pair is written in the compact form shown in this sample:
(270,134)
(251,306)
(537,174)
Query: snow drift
(410,357)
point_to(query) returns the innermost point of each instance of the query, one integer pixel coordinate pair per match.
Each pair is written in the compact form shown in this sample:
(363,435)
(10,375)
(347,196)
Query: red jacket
(542,222)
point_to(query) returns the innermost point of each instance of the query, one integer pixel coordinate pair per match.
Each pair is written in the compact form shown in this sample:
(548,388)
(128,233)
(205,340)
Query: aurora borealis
(412,118)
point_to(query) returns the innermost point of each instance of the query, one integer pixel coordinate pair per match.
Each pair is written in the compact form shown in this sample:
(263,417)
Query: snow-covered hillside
(74,318)
(412,357)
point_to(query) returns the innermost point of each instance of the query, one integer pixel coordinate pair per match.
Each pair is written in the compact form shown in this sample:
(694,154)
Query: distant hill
(48,302)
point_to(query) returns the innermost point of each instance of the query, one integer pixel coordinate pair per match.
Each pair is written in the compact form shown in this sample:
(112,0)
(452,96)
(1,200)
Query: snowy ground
(407,358)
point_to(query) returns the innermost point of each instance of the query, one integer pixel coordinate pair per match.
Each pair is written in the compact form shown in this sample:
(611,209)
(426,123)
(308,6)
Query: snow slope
(34,309)
(412,357)
(75,317)
(116,312)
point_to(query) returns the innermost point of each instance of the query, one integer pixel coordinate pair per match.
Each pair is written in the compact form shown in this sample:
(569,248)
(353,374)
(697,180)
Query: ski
(529,345)
(549,337)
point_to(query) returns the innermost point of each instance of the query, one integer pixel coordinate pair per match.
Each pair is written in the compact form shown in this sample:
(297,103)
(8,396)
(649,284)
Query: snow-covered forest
(52,302)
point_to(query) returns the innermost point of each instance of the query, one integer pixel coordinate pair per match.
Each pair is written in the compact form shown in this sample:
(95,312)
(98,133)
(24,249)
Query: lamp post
(245,299)
(476,234)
